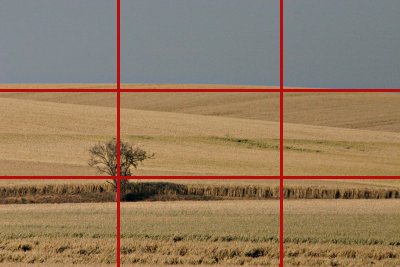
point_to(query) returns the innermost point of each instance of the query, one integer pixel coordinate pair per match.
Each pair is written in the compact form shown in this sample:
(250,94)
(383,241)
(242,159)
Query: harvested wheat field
(342,233)
(51,138)
(228,233)
(50,133)
(58,234)
(342,134)
(327,222)
(204,133)
(194,86)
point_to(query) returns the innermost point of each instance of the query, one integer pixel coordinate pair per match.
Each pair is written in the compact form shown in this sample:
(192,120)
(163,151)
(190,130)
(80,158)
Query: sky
(328,43)
(206,41)
(57,41)
(342,43)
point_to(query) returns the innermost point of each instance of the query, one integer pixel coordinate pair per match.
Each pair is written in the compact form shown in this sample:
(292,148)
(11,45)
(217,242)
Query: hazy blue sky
(342,43)
(51,41)
(201,41)
(328,43)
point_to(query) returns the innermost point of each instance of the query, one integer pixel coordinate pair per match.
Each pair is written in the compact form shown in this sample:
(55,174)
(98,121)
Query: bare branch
(103,157)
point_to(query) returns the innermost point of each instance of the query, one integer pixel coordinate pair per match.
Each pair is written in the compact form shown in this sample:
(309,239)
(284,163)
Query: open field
(204,133)
(235,232)
(58,234)
(227,232)
(342,233)
(214,232)
(342,134)
(57,143)
(131,86)
(49,138)
(194,86)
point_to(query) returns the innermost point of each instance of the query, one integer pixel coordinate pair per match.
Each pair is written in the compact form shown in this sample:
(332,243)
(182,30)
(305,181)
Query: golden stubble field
(229,233)
(342,232)
(153,233)
(51,133)
(58,234)
(203,134)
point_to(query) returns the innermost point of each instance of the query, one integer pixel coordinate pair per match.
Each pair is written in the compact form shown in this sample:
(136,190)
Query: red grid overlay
(281,90)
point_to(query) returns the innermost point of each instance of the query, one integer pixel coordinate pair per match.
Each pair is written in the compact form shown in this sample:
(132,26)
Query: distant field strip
(57,86)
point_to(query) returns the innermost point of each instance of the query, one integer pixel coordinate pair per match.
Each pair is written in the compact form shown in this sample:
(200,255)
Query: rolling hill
(204,133)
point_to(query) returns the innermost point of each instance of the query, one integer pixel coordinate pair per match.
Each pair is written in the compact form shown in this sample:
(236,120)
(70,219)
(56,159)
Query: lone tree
(103,157)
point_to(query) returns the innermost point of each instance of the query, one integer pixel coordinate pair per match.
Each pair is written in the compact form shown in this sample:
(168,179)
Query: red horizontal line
(53,90)
(331,177)
(55,177)
(349,90)
(210,90)
(203,177)
(304,90)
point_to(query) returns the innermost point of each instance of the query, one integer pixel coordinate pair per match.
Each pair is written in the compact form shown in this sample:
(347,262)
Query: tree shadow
(154,191)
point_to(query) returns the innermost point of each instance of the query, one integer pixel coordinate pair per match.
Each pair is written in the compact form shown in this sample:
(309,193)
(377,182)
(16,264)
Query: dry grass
(345,184)
(154,233)
(42,191)
(258,106)
(204,134)
(53,138)
(230,233)
(342,232)
(218,232)
(42,182)
(331,184)
(201,134)
(346,134)
(58,233)
(54,265)
(366,111)
(195,86)
(43,138)
(175,191)
(64,191)
(192,144)
(328,255)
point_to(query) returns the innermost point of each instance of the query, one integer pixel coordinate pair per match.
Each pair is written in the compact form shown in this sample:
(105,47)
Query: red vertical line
(118,44)
(118,179)
(281,147)
(281,236)
(118,133)
(118,222)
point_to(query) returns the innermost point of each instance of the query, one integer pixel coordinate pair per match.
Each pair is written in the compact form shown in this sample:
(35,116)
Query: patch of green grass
(300,145)
(249,143)
(322,145)
(270,144)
